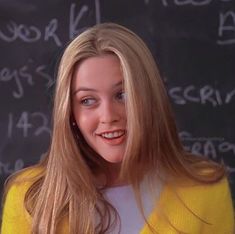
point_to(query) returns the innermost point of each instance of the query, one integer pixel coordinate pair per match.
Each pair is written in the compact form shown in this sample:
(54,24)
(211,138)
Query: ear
(75,129)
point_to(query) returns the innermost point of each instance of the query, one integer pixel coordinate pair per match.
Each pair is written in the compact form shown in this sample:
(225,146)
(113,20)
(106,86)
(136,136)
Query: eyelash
(85,100)
(120,96)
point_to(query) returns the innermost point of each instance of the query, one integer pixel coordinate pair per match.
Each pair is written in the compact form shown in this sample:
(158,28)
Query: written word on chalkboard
(193,42)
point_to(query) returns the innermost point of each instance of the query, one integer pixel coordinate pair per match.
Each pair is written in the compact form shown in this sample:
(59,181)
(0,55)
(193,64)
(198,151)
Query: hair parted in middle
(66,184)
(150,122)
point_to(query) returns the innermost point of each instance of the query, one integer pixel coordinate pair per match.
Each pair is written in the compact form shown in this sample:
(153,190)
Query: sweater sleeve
(202,209)
(15,218)
(220,213)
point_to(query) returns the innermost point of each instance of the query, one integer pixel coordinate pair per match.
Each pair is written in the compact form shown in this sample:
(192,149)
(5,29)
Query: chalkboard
(193,42)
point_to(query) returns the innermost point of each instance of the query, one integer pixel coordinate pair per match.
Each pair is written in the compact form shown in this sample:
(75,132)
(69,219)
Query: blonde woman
(115,163)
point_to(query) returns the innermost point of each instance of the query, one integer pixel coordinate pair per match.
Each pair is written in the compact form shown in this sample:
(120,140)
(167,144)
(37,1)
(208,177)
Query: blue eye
(121,96)
(88,101)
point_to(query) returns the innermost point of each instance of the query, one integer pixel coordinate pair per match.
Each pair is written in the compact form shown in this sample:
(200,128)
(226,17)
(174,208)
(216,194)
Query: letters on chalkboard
(193,40)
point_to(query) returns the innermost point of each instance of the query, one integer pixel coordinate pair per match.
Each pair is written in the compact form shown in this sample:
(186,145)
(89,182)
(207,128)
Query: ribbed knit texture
(204,209)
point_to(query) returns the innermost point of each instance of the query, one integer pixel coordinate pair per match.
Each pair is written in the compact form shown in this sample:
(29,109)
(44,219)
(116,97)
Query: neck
(111,179)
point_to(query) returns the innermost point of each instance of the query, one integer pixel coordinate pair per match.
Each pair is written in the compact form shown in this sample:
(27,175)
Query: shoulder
(207,204)
(14,213)
(205,189)
(16,188)
(196,208)
(202,196)
(22,179)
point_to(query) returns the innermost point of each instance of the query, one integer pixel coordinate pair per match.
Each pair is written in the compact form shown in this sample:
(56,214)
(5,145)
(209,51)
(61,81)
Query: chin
(113,159)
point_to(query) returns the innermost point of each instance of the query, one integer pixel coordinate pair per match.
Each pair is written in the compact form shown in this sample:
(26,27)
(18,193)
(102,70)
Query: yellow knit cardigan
(198,209)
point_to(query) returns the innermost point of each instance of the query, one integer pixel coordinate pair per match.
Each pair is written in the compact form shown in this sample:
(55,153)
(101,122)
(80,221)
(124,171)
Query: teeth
(112,134)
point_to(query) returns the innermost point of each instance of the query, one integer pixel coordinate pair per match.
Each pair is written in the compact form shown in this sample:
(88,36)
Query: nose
(109,112)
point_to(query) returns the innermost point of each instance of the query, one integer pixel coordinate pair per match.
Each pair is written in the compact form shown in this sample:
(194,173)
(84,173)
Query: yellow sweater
(204,209)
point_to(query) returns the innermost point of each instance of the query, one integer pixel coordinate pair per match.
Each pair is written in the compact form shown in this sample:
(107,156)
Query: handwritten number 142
(35,123)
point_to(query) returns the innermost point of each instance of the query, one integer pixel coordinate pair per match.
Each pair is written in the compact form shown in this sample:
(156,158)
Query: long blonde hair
(65,186)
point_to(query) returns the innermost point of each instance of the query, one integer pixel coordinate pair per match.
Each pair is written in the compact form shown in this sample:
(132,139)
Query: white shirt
(123,200)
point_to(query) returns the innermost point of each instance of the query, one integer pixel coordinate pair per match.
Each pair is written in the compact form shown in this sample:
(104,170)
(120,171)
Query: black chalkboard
(193,42)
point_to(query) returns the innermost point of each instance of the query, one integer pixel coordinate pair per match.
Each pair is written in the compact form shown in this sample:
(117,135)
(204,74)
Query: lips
(113,137)
(114,134)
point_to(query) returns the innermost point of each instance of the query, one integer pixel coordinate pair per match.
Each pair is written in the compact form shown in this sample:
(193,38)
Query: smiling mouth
(113,135)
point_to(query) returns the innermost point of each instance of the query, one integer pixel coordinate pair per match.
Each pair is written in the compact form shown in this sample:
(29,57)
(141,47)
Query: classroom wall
(193,42)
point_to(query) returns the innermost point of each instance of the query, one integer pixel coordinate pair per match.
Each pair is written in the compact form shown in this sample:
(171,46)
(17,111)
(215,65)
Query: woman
(115,163)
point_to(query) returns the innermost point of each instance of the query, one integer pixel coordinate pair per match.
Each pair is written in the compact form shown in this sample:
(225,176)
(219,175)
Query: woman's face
(99,105)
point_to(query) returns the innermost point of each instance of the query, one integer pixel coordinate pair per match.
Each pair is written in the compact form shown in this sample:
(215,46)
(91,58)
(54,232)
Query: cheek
(123,112)
(86,123)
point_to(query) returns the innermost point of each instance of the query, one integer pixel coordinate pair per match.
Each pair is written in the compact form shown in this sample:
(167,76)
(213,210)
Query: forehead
(97,71)
(100,63)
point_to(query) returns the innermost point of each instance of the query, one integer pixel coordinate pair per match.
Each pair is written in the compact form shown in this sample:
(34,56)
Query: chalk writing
(17,81)
(27,33)
(75,18)
(229,169)
(40,70)
(226,30)
(164,2)
(190,2)
(226,27)
(43,125)
(25,123)
(15,75)
(208,146)
(7,168)
(204,95)
(50,32)
(30,33)
(21,76)
(97,11)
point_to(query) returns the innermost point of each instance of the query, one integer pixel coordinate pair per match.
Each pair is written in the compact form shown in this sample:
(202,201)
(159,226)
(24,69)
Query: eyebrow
(119,83)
